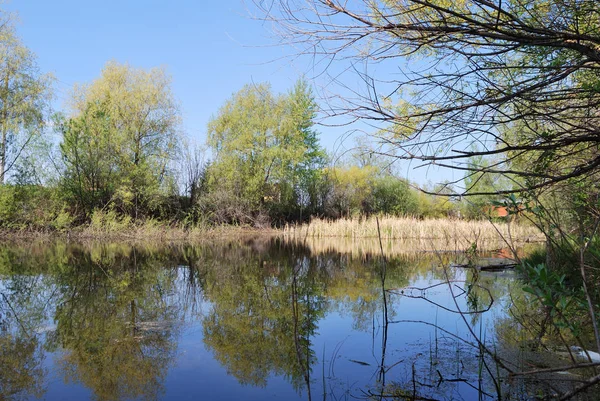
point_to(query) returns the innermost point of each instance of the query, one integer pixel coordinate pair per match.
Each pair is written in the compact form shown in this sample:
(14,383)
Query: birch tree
(24,98)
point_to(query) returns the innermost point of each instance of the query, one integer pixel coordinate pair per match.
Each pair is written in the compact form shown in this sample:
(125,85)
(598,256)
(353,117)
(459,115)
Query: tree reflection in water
(110,318)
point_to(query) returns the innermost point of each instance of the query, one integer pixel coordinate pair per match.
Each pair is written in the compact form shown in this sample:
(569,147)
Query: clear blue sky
(211,48)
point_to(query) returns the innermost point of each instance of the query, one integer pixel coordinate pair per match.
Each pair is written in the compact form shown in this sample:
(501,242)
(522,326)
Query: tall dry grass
(447,234)
(111,226)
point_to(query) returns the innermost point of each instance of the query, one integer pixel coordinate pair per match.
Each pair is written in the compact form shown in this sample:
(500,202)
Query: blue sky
(210,48)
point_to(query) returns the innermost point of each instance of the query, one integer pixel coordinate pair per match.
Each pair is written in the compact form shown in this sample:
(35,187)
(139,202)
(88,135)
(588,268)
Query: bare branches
(506,75)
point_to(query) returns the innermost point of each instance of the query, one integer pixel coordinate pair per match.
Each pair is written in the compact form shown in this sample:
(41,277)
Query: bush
(32,207)
(109,221)
(223,207)
(393,196)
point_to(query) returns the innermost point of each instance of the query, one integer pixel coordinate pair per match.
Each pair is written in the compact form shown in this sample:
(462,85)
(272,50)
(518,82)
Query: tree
(120,139)
(351,190)
(394,196)
(24,97)
(89,151)
(518,78)
(309,170)
(194,172)
(266,152)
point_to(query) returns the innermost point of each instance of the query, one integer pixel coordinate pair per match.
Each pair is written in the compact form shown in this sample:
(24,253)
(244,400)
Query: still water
(256,320)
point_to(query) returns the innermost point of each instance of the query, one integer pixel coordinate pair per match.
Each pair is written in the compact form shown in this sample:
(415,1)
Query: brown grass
(140,231)
(431,234)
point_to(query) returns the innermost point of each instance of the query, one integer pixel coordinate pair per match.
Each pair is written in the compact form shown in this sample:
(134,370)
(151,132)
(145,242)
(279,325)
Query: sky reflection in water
(252,320)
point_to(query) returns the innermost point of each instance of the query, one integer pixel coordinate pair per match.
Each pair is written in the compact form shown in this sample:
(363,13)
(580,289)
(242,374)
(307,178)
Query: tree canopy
(24,98)
(120,139)
(266,150)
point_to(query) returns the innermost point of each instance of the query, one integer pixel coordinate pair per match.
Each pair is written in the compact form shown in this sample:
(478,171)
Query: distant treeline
(119,150)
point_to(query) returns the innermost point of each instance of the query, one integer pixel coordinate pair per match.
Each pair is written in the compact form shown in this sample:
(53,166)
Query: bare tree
(518,78)
(194,171)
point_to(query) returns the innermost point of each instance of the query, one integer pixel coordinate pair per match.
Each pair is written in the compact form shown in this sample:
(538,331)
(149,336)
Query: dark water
(254,320)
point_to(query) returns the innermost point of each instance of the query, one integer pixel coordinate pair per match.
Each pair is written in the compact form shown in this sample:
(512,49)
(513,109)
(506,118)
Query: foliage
(109,221)
(266,151)
(562,302)
(351,190)
(33,207)
(480,187)
(24,98)
(436,207)
(119,141)
(393,196)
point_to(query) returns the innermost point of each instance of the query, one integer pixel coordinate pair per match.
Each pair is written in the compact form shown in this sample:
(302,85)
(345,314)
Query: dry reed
(450,234)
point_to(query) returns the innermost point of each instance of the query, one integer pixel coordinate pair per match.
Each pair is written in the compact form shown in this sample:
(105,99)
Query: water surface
(255,320)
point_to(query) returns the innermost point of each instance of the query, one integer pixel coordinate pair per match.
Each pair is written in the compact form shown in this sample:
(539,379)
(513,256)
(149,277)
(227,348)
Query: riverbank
(429,234)
(145,231)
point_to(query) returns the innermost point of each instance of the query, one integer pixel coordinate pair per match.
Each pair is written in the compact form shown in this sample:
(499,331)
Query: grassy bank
(429,234)
(111,226)
(441,233)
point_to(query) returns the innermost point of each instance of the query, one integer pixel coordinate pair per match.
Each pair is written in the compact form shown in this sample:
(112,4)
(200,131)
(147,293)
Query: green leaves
(550,289)
(24,98)
(118,143)
(265,147)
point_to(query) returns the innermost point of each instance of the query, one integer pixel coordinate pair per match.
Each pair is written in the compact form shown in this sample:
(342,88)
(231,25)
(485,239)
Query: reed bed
(431,234)
(369,247)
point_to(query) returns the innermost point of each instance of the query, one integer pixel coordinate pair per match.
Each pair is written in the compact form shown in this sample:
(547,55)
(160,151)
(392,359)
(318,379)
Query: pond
(262,319)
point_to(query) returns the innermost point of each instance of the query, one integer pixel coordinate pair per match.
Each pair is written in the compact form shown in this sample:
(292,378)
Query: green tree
(120,139)
(266,151)
(309,177)
(88,147)
(392,195)
(24,98)
(485,184)
(351,190)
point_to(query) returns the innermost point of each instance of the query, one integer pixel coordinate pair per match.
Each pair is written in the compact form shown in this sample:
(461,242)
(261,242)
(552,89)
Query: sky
(211,49)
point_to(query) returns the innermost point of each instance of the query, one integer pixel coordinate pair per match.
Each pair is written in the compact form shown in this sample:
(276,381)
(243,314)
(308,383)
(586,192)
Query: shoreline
(254,236)
(437,233)
(169,234)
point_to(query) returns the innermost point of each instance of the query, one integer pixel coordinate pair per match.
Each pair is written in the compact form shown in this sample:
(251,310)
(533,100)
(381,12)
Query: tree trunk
(4,131)
(2,152)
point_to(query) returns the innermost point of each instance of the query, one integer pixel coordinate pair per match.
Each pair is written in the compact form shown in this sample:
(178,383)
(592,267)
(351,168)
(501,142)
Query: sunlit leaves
(266,150)
(24,98)
(122,134)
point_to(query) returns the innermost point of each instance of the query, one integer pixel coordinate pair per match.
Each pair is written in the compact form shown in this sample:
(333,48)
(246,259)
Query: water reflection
(256,319)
